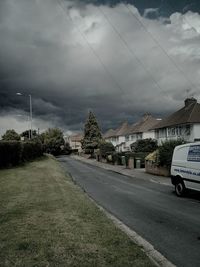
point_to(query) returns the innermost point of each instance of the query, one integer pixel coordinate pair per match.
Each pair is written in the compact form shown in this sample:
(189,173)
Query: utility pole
(31,113)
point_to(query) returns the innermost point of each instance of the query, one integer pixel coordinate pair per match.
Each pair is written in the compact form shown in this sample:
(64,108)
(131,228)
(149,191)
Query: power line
(129,49)
(92,49)
(161,47)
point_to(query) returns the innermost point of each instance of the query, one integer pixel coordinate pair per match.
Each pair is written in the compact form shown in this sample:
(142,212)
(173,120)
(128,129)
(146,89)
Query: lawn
(46,220)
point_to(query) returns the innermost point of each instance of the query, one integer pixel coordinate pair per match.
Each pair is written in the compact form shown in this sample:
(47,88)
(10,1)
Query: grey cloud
(43,54)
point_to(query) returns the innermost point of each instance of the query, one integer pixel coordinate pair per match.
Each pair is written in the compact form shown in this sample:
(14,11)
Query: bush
(166,150)
(116,158)
(11,135)
(53,146)
(153,157)
(31,150)
(10,153)
(13,153)
(144,145)
(105,148)
(88,151)
(53,141)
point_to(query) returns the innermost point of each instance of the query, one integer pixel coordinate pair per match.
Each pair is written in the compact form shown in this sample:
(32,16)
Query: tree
(144,145)
(92,134)
(26,134)
(11,135)
(53,141)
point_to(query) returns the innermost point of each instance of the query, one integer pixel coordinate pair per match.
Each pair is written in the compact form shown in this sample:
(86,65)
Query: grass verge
(46,220)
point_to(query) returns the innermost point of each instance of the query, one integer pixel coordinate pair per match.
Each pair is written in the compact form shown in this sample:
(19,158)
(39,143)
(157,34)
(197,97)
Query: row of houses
(126,134)
(182,124)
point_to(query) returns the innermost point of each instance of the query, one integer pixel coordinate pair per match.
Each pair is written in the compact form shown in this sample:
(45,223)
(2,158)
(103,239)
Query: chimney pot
(189,101)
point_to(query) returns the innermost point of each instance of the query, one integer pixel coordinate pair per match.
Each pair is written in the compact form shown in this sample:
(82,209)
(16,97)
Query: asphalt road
(169,223)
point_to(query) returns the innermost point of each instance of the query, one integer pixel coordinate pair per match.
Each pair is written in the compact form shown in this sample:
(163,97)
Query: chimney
(189,101)
(146,116)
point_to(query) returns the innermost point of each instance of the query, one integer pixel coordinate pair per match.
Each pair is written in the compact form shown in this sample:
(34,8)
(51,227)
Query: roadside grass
(46,220)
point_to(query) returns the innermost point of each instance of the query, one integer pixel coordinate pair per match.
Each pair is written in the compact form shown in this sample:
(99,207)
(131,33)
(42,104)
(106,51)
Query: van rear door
(193,167)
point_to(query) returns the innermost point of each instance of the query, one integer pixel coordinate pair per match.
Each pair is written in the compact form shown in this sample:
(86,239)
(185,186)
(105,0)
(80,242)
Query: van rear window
(194,153)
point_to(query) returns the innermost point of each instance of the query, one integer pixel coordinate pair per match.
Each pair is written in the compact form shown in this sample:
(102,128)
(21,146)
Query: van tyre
(180,189)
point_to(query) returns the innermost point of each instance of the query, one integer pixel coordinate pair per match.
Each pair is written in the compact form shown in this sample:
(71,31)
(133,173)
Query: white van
(185,168)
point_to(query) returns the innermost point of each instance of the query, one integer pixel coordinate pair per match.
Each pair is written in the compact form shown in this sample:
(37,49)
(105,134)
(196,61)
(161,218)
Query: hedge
(10,153)
(165,151)
(13,153)
(31,150)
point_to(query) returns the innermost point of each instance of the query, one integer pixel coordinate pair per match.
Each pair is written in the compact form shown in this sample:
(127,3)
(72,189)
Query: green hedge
(10,153)
(13,153)
(165,151)
(31,150)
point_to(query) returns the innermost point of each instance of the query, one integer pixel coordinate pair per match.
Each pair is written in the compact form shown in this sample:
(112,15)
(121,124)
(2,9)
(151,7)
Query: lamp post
(31,113)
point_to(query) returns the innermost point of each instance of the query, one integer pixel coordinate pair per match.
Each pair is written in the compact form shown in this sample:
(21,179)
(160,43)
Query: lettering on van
(187,172)
(194,153)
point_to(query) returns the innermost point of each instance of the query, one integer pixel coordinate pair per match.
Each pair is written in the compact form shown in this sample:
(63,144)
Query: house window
(132,137)
(179,131)
(127,138)
(171,131)
(187,130)
(139,136)
(162,133)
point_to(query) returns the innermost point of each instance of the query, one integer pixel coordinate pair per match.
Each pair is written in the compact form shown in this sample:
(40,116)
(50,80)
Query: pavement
(134,173)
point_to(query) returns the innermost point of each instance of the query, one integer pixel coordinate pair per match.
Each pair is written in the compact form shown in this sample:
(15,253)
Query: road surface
(169,223)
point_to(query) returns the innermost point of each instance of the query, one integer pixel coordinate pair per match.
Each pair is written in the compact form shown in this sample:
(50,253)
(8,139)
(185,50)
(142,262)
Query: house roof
(145,124)
(122,130)
(76,137)
(109,133)
(190,113)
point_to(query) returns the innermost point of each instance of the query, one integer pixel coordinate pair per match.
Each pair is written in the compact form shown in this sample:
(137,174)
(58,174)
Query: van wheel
(180,189)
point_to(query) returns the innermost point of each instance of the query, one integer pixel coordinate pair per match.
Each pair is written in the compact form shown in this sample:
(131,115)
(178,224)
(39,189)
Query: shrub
(116,158)
(153,157)
(88,151)
(31,150)
(106,148)
(165,151)
(13,153)
(10,153)
(53,141)
(11,135)
(144,145)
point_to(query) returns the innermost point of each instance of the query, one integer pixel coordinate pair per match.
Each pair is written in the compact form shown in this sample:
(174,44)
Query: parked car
(185,168)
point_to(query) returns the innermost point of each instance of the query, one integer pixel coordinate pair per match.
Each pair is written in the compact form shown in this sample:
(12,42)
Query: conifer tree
(92,134)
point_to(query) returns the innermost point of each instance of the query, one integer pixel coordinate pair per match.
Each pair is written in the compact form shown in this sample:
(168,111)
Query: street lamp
(31,113)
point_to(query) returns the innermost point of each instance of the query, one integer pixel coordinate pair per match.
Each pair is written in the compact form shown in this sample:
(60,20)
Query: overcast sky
(119,59)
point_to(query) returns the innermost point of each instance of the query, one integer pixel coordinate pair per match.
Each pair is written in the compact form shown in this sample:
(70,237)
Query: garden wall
(154,169)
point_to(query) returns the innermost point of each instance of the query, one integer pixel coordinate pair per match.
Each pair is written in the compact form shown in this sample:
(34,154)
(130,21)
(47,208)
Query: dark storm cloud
(164,7)
(71,60)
